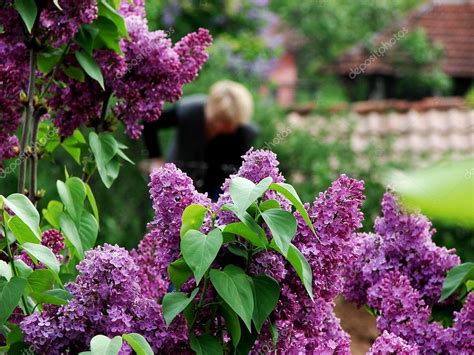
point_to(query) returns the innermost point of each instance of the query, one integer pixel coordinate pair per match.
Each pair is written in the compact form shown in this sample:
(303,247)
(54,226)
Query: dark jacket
(207,162)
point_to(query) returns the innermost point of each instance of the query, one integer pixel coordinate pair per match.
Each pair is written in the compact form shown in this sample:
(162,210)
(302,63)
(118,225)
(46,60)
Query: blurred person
(212,133)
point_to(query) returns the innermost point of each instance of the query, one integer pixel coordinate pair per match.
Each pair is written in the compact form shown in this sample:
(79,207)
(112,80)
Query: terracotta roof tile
(452,25)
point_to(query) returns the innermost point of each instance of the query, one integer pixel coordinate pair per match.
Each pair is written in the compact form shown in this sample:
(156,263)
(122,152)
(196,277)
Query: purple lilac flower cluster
(388,343)
(150,72)
(404,313)
(402,242)
(58,26)
(171,192)
(52,239)
(107,300)
(55,27)
(156,71)
(305,326)
(78,103)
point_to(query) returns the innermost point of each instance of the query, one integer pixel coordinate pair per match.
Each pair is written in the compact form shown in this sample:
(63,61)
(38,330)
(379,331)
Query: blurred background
(381,90)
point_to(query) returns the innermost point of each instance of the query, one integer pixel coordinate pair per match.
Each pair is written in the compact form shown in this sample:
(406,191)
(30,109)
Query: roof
(417,132)
(450,23)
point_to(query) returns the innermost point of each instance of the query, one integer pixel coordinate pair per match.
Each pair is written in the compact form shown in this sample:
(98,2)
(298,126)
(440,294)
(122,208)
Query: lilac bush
(402,242)
(107,300)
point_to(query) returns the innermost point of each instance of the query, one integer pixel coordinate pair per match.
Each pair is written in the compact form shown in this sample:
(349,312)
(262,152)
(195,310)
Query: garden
(108,248)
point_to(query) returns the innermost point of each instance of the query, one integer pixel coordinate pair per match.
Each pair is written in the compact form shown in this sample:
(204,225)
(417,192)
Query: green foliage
(417,61)
(451,183)
(235,288)
(199,250)
(470,98)
(10,295)
(458,277)
(102,345)
(28,12)
(335,25)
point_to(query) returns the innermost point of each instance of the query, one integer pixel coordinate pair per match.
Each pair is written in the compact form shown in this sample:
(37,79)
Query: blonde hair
(229,101)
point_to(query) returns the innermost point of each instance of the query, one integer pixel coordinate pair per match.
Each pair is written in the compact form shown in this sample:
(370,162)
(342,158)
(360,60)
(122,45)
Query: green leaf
(56,3)
(102,345)
(10,296)
(21,231)
(205,345)
(40,280)
(72,194)
(5,270)
(90,66)
(23,270)
(239,228)
(88,230)
(24,209)
(302,268)
(56,297)
(192,218)
(290,193)
(72,145)
(108,35)
(85,37)
(249,222)
(179,272)
(105,148)
(199,250)
(111,172)
(232,322)
(269,204)
(47,59)
(53,212)
(267,293)
(443,191)
(174,303)
(75,73)
(274,332)
(235,288)
(92,202)
(72,235)
(28,12)
(43,254)
(138,343)
(283,225)
(244,192)
(109,12)
(456,277)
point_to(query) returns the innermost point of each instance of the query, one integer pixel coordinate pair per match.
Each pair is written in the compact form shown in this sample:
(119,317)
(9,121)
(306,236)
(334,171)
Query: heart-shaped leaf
(25,211)
(43,254)
(235,288)
(10,296)
(174,303)
(199,250)
(138,343)
(205,345)
(102,345)
(283,225)
(244,192)
(192,218)
(267,293)
(290,193)
(73,195)
(455,278)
